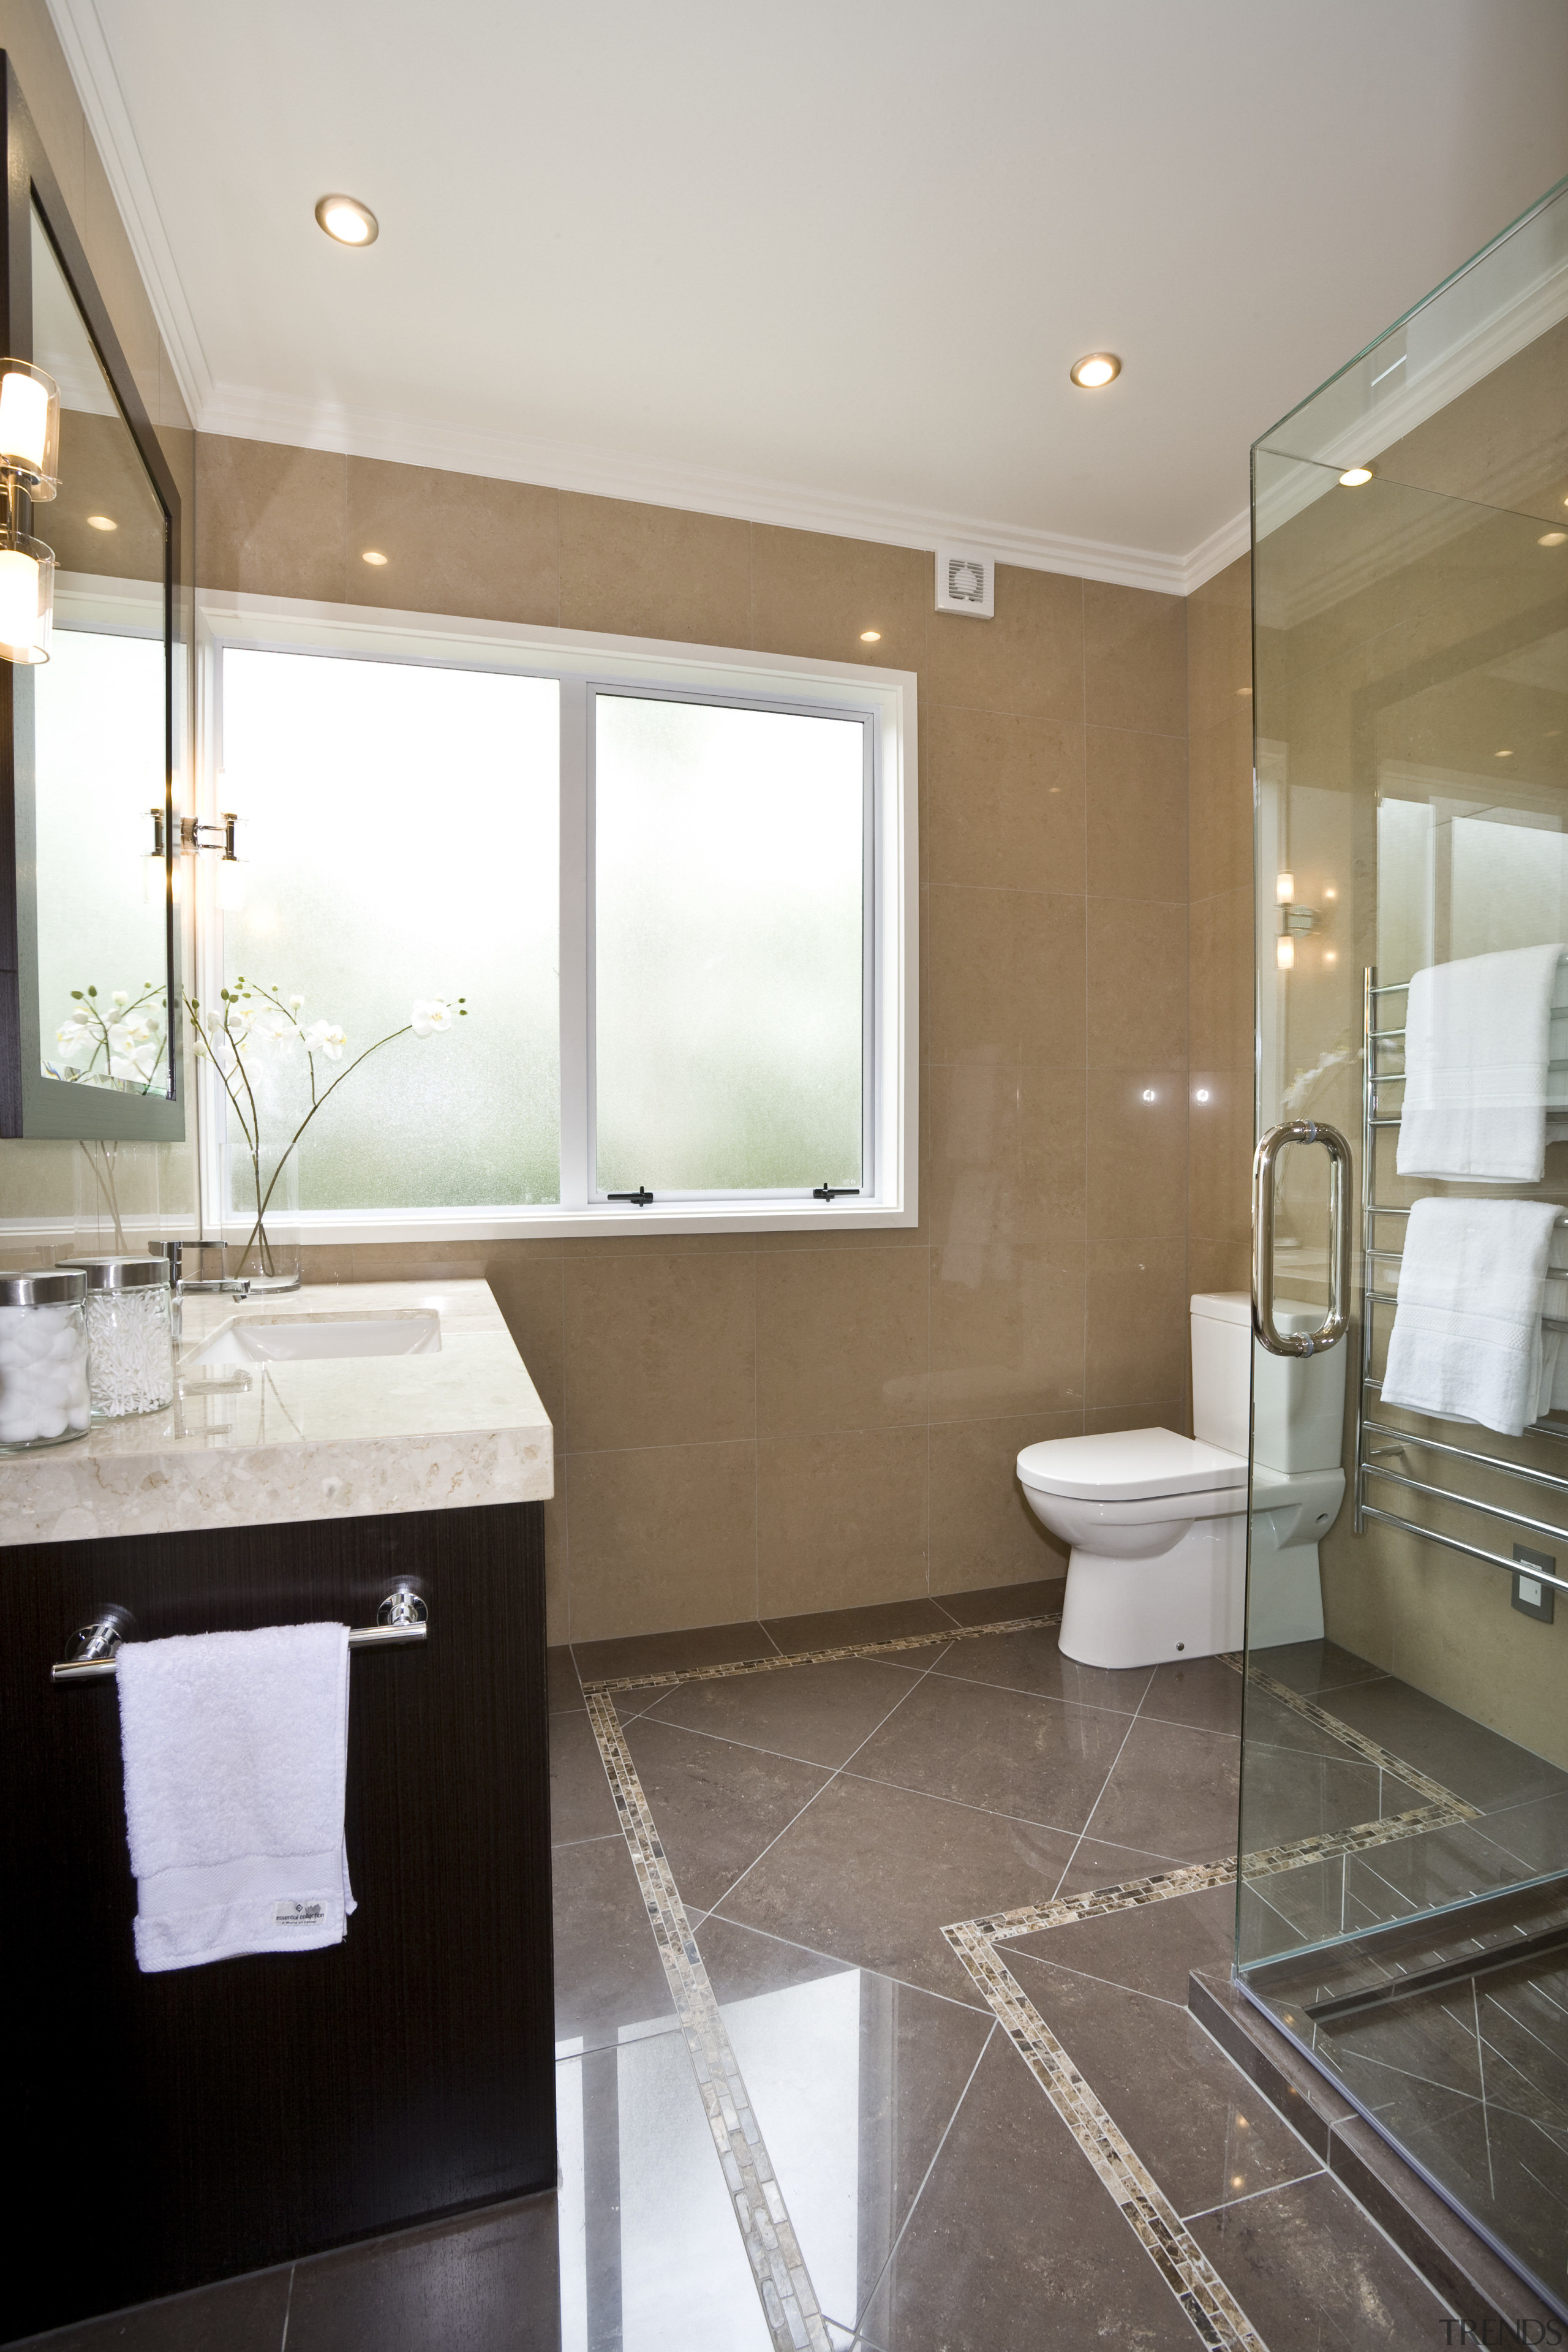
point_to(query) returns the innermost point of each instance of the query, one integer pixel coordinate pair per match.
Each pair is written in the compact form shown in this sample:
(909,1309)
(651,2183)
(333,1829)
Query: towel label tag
(295,1914)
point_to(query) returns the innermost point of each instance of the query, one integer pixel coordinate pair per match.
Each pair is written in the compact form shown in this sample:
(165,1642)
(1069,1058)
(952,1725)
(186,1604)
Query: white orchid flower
(295,1003)
(125,1036)
(431,1014)
(275,1029)
(72,1037)
(136,1066)
(326,1037)
(122,996)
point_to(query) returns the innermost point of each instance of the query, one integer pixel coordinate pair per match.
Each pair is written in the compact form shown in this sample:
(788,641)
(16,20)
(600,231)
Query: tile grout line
(1217,2318)
(784,2285)
(1349,1737)
(1100,1792)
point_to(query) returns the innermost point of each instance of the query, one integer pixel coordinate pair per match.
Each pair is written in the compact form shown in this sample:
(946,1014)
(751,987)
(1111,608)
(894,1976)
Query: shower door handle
(1337,1322)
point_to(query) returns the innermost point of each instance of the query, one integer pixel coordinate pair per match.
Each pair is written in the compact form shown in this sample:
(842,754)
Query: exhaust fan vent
(967,583)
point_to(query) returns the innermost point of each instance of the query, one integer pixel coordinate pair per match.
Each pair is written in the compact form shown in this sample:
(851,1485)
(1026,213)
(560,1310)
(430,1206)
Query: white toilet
(1158,1523)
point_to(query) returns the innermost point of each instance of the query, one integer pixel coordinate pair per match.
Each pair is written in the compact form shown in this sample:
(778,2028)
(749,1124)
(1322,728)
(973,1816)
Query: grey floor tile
(828,1629)
(1289,1794)
(1535,1831)
(1036,1758)
(565,1689)
(486,2282)
(872,1873)
(854,2080)
(1478,1765)
(1153,1949)
(716,1805)
(245,2315)
(997,1602)
(581,1805)
(1314,2274)
(1034,1662)
(1172,1790)
(1315,1668)
(1014,2246)
(819,1714)
(660,1653)
(1202,1693)
(1205,2132)
(608,1974)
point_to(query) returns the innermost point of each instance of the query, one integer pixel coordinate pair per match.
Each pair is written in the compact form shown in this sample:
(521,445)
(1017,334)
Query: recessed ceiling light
(101,522)
(372,555)
(1244,689)
(1095,369)
(1551,538)
(348,220)
(1354,475)
(1503,755)
(871,636)
(1150,1095)
(1202,1095)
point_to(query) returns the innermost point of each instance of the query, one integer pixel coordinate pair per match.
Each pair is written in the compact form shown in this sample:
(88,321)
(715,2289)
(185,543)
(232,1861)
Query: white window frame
(581,661)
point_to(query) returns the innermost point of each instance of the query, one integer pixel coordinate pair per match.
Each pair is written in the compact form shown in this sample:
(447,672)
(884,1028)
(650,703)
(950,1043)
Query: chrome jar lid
(55,1285)
(121,1273)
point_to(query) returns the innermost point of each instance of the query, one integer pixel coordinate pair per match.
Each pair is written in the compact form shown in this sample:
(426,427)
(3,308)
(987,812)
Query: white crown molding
(82,36)
(305,424)
(298,422)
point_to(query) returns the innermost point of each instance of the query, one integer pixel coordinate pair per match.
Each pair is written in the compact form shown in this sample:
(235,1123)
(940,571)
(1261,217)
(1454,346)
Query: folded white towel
(1477,1040)
(235,1749)
(1466,1338)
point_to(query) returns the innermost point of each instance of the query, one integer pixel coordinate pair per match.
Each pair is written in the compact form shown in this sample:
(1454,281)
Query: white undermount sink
(313,1338)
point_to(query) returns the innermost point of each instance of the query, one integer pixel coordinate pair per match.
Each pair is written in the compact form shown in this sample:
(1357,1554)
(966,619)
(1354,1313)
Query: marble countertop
(247,1445)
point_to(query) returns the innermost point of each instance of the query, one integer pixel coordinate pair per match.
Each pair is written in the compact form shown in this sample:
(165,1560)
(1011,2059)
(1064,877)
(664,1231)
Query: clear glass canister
(130,1334)
(44,1398)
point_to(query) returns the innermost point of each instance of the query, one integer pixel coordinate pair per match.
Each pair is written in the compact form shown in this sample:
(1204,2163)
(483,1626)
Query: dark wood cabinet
(168,2130)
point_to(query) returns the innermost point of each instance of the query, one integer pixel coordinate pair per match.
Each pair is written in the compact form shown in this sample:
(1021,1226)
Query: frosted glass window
(730,936)
(402,838)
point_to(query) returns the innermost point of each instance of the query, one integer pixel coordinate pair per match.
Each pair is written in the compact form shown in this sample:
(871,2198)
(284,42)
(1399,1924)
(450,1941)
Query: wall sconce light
(1284,889)
(1285,954)
(199,836)
(29,454)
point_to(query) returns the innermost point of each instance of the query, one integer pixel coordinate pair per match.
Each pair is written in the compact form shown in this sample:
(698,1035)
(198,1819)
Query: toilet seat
(1135,1465)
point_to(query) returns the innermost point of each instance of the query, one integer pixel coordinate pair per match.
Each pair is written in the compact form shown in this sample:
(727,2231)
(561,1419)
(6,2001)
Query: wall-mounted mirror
(89,1018)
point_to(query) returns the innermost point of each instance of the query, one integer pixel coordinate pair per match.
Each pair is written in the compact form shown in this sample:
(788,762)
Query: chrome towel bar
(402,1617)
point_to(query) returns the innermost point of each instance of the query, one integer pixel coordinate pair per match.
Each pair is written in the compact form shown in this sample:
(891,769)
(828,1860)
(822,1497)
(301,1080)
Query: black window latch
(834,1192)
(639,1198)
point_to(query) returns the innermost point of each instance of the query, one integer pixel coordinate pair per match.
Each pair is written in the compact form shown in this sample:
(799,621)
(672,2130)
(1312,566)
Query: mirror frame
(32,1106)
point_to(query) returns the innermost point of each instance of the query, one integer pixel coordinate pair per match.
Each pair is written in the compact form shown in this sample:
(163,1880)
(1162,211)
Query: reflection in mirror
(101,745)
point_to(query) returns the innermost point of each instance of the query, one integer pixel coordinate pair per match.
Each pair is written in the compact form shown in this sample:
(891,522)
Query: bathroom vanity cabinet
(175,2128)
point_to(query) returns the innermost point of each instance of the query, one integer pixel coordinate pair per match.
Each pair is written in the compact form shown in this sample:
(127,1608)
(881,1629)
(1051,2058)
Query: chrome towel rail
(402,1617)
(1369,1464)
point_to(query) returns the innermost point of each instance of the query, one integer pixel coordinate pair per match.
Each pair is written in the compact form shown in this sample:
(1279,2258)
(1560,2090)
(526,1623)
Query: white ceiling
(817,261)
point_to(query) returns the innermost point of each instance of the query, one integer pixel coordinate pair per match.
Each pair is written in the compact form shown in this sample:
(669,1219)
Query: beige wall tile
(1004,976)
(1137,971)
(1219,646)
(662,1538)
(1004,1158)
(1006,1333)
(1219,1266)
(812,594)
(1134,658)
(1029,658)
(1219,784)
(658,1350)
(843,1339)
(269,519)
(1219,1158)
(654,571)
(1137,1153)
(454,543)
(1002,801)
(982,1531)
(1222,981)
(1139,1321)
(1136,792)
(841,1520)
(28,37)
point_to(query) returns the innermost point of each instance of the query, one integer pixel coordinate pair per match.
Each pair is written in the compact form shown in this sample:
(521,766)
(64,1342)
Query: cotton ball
(52,1420)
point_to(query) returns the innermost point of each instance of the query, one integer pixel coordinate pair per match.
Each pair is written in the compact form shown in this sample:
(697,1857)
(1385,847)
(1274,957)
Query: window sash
(584,665)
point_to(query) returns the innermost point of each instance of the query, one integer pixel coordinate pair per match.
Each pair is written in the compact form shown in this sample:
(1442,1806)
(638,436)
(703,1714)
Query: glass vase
(264,1244)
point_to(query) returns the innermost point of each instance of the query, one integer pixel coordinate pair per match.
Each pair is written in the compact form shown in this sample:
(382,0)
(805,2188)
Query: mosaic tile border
(770,1665)
(1195,1877)
(784,2284)
(1349,1737)
(1217,2319)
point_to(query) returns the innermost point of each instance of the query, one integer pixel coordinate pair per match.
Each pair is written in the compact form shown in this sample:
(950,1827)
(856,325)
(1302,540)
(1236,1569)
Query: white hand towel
(1466,1338)
(235,1749)
(1477,1040)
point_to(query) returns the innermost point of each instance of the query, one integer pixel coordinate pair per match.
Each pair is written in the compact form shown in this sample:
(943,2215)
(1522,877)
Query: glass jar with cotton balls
(45,1398)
